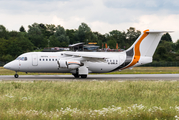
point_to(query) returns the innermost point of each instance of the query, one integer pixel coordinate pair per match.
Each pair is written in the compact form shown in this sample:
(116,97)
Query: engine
(73,64)
(70,64)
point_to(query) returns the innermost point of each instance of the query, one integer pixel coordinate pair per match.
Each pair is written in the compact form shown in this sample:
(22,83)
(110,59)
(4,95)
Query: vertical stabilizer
(143,48)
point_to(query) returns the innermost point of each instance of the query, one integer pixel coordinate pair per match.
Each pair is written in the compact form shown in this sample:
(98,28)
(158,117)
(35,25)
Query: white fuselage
(47,62)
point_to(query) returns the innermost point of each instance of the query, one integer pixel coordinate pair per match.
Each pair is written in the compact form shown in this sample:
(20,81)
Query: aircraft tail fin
(143,49)
(147,43)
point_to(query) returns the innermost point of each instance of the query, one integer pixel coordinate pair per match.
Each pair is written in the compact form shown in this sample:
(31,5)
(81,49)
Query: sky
(101,16)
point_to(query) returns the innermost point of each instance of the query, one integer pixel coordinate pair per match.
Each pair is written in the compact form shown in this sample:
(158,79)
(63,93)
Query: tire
(76,76)
(83,76)
(16,75)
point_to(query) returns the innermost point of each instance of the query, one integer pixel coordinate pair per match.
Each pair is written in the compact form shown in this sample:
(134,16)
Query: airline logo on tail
(137,50)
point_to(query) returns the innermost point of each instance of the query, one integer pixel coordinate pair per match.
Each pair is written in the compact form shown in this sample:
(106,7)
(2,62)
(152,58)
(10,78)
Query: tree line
(39,36)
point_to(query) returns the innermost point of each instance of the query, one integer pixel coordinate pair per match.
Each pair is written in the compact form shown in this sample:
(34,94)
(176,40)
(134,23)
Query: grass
(89,100)
(135,70)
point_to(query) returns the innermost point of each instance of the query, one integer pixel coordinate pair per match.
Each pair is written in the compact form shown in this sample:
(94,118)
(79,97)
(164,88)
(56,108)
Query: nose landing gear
(16,75)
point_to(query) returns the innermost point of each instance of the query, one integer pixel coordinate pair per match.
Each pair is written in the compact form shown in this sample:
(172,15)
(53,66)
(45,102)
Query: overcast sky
(100,15)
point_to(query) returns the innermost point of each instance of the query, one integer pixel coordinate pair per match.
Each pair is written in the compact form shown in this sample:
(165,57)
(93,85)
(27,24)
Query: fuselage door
(34,60)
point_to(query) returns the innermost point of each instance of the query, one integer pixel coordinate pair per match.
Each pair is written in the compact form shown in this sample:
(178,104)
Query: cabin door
(34,60)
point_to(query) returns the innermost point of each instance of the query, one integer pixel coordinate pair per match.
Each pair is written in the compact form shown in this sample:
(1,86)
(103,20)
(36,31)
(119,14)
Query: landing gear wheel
(16,75)
(83,76)
(76,76)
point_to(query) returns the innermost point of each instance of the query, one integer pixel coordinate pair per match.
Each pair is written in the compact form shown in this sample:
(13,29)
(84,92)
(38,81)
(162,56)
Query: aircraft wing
(89,57)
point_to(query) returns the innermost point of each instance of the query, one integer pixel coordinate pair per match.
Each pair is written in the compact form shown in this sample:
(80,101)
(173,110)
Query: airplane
(80,64)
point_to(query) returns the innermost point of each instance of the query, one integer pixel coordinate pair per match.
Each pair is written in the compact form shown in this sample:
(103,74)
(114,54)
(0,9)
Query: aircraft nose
(12,66)
(7,66)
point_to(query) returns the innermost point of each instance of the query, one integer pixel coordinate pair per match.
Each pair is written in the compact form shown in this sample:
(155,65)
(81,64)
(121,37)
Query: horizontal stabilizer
(158,31)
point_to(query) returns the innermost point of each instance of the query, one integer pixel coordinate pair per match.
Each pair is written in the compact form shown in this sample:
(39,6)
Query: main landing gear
(16,75)
(81,72)
(83,76)
(77,76)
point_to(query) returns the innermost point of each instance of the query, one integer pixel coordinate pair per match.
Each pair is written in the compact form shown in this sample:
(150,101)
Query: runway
(103,77)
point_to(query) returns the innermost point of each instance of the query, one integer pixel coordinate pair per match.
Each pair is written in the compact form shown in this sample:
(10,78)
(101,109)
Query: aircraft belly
(45,68)
(101,67)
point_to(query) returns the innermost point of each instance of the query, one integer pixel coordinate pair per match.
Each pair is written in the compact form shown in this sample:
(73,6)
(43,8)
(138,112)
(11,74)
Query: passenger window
(40,59)
(49,59)
(52,59)
(43,59)
(46,59)
(25,59)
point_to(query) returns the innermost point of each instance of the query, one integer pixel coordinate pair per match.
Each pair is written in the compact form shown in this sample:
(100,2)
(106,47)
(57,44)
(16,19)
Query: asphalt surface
(104,77)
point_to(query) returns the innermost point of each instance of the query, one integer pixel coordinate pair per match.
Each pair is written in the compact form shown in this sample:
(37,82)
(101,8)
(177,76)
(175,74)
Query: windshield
(22,58)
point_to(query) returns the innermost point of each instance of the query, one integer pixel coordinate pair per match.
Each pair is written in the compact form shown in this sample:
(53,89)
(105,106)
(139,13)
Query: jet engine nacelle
(62,63)
(70,64)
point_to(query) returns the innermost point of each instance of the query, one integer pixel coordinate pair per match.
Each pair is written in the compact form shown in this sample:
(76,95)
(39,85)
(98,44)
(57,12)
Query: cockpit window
(18,58)
(22,58)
